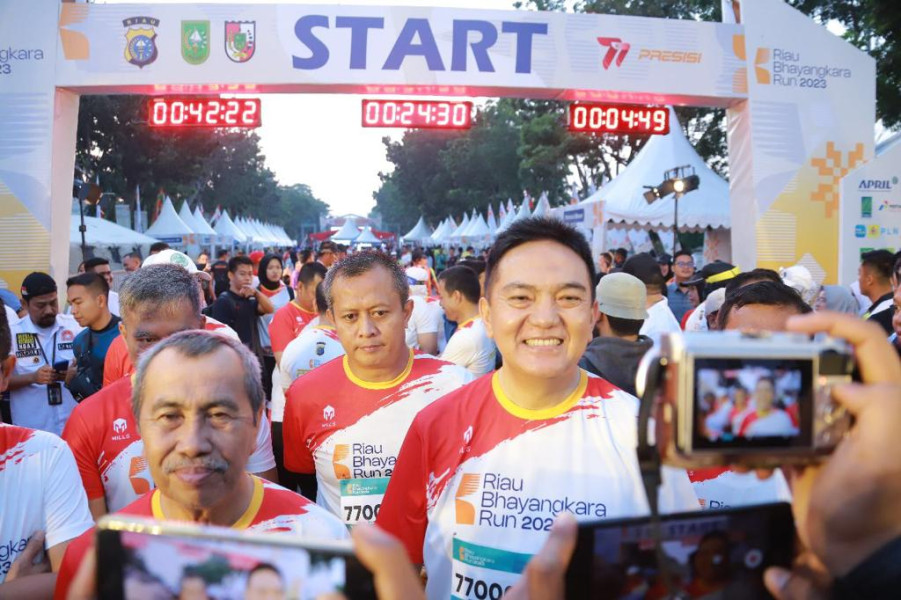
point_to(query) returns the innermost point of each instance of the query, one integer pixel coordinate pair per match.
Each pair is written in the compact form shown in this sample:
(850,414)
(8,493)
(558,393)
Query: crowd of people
(449,411)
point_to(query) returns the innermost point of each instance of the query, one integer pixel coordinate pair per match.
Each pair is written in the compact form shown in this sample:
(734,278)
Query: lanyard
(37,338)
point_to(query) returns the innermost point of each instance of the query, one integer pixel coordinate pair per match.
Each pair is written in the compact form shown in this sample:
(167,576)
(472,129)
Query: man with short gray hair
(157,301)
(198,433)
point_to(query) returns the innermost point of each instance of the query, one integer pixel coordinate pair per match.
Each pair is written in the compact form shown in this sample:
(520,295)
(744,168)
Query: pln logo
(328,413)
(617,50)
(466,511)
(342,451)
(119,426)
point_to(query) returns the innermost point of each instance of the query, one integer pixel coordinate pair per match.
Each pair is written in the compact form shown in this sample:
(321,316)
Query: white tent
(477,231)
(202,226)
(347,233)
(201,237)
(169,227)
(509,205)
(492,222)
(367,237)
(444,230)
(227,229)
(250,236)
(420,232)
(458,232)
(543,208)
(707,206)
(101,232)
(524,212)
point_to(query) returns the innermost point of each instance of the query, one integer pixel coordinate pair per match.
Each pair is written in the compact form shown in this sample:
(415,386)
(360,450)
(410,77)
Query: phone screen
(720,554)
(144,566)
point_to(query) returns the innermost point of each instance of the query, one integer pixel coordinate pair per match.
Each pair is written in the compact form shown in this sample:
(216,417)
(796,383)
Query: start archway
(801,102)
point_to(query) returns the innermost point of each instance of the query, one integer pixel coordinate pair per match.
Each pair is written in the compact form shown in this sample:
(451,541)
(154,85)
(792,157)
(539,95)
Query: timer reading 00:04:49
(618,118)
(204,112)
(420,114)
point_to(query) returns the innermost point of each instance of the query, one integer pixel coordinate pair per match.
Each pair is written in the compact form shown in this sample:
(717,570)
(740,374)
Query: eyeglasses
(682,263)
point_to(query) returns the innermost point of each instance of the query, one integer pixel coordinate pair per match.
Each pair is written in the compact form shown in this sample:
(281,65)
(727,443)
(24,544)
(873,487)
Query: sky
(317,139)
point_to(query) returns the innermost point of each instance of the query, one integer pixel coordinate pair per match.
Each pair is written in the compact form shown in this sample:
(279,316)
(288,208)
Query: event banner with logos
(870,210)
(801,98)
(808,122)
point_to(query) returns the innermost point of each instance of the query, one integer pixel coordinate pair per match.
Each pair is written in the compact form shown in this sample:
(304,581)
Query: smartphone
(140,559)
(710,554)
(61,366)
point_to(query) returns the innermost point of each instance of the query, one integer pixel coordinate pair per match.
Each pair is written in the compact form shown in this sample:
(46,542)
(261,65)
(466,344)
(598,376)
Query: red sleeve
(117,363)
(685,318)
(746,422)
(75,553)
(83,444)
(280,330)
(298,457)
(403,511)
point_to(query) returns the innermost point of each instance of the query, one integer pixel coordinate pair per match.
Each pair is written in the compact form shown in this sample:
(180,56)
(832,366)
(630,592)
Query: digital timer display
(418,114)
(618,118)
(204,112)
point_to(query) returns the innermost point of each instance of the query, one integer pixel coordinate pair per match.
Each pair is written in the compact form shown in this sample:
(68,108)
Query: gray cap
(622,296)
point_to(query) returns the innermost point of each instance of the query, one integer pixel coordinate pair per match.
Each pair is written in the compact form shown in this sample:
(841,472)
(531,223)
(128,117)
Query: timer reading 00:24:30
(417,114)
(204,112)
(618,118)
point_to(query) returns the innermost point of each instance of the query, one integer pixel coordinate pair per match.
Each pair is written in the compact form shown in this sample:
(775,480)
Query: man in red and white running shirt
(198,433)
(483,472)
(346,420)
(118,363)
(425,325)
(289,320)
(156,302)
(721,487)
(42,505)
(469,346)
(766,419)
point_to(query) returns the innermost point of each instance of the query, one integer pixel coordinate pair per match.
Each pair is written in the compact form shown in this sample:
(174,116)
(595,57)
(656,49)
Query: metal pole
(675,224)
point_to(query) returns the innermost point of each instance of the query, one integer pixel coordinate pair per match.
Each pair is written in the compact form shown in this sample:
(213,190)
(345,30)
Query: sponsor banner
(580,55)
(870,211)
(808,122)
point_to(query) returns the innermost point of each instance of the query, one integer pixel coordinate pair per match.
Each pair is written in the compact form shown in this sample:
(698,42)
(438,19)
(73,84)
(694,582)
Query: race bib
(361,499)
(484,573)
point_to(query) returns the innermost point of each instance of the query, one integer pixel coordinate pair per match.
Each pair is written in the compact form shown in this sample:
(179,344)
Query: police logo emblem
(67,336)
(195,41)
(320,348)
(240,40)
(140,40)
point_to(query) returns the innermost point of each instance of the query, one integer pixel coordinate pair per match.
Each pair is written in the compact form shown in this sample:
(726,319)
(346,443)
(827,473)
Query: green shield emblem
(195,41)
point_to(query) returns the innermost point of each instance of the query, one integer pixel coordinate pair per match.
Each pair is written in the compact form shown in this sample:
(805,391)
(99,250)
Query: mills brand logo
(616,51)
(328,413)
(341,453)
(120,425)
(466,511)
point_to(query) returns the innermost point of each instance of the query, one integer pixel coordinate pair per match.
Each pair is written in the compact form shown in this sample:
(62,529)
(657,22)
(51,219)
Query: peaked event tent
(367,237)
(456,233)
(169,227)
(203,227)
(101,232)
(347,233)
(420,232)
(227,228)
(707,206)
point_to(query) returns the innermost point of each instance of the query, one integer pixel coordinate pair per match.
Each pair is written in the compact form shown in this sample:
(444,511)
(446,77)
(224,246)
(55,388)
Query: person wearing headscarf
(838,298)
(271,286)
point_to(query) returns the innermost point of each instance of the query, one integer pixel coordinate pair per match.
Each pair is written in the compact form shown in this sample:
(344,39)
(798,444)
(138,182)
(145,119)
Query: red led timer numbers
(618,118)
(204,112)
(418,114)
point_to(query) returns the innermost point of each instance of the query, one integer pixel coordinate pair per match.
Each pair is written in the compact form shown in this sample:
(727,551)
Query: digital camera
(757,400)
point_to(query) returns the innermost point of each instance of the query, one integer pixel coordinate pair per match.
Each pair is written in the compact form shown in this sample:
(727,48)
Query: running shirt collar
(544,413)
(243,522)
(380,385)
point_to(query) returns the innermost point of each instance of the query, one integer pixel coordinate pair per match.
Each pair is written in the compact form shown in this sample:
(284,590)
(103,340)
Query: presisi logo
(466,512)
(616,50)
(342,451)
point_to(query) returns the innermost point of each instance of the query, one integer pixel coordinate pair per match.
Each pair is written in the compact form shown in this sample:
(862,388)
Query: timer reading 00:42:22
(204,112)
(417,114)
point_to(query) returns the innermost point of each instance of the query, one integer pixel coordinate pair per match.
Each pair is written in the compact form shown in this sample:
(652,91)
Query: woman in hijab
(271,285)
(838,298)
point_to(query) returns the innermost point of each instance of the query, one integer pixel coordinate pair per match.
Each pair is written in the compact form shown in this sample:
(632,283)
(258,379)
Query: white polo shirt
(471,348)
(426,318)
(33,348)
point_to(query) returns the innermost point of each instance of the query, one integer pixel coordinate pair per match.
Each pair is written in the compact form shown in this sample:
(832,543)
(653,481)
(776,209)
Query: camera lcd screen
(145,566)
(752,403)
(706,555)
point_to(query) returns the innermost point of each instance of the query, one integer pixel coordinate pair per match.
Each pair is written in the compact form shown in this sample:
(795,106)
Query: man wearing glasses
(682,298)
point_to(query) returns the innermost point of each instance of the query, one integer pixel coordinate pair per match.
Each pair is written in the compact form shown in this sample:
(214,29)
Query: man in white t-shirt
(484,470)
(40,340)
(469,346)
(426,322)
(315,346)
(660,318)
(42,505)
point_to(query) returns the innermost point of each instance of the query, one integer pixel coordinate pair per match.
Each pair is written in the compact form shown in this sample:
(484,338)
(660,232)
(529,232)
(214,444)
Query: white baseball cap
(174,257)
(622,296)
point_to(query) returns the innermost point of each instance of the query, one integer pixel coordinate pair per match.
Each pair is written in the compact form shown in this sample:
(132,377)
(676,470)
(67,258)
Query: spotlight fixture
(678,181)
